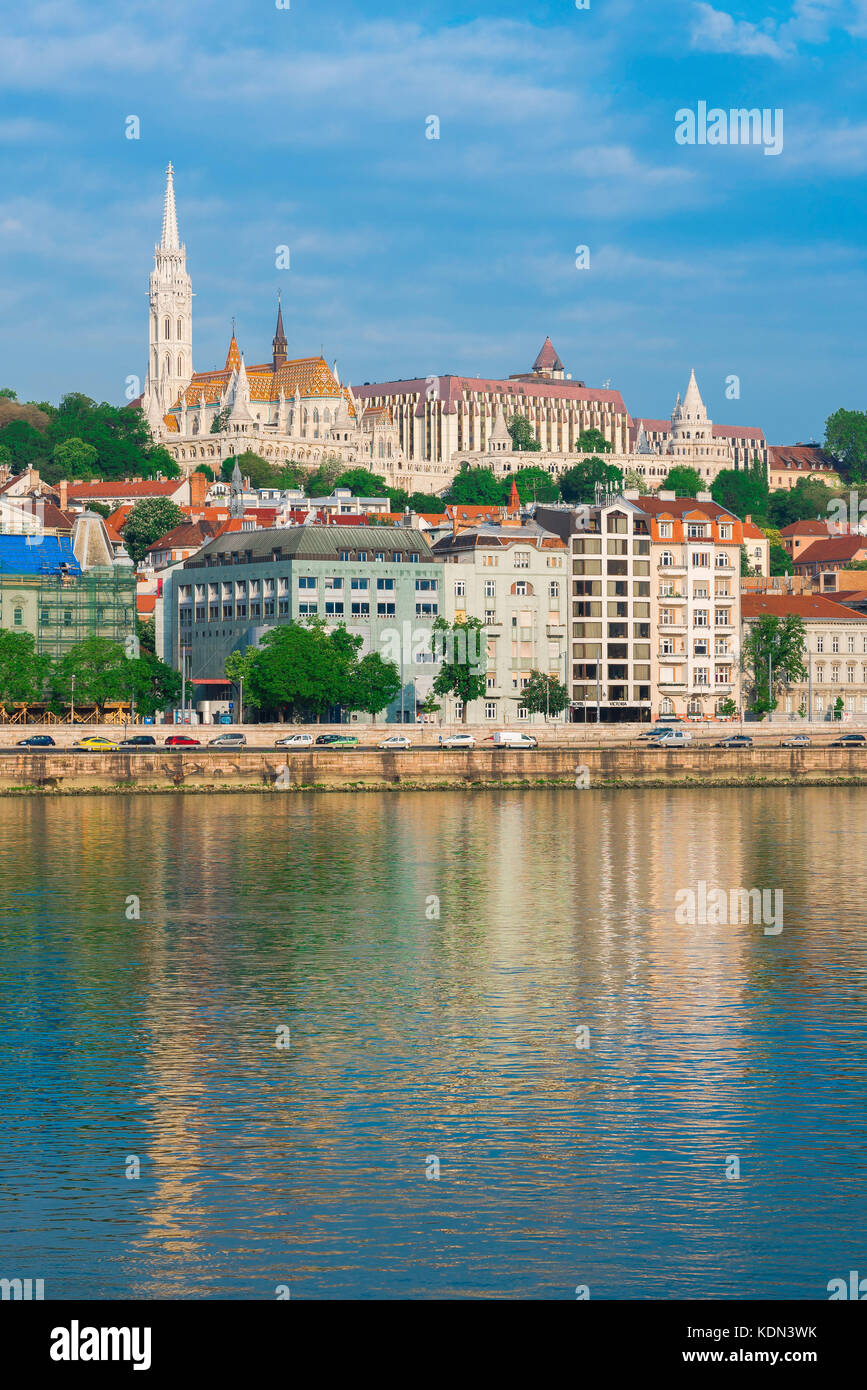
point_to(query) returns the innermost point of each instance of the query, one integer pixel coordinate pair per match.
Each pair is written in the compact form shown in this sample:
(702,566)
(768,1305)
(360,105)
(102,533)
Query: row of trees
(302,670)
(79,438)
(95,671)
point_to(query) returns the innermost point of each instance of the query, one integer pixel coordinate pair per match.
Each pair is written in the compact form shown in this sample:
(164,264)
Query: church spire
(278,343)
(169,240)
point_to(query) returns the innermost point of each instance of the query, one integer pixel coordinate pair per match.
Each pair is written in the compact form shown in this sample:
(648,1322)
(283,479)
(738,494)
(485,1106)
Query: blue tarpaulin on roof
(37,555)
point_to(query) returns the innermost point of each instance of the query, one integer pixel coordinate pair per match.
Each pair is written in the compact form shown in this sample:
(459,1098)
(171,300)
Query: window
(702,617)
(554,588)
(850,674)
(305,608)
(666,559)
(722,617)
(725,533)
(426,585)
(523,712)
(344,554)
(461,589)
(695,530)
(722,560)
(835,674)
(835,643)
(490,709)
(426,610)
(521,588)
(362,554)
(385,584)
(283,608)
(379,555)
(820,644)
(413,557)
(490,617)
(850,644)
(332,583)
(43,615)
(269,608)
(820,672)
(522,559)
(395,555)
(359,585)
(701,558)
(18,617)
(667,646)
(385,610)
(333,608)
(665,530)
(307,581)
(67,617)
(360,610)
(490,588)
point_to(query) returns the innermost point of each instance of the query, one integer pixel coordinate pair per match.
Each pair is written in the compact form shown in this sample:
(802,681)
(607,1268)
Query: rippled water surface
(412,1036)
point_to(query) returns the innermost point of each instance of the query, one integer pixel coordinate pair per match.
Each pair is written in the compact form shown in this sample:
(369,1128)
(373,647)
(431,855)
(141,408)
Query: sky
(308,127)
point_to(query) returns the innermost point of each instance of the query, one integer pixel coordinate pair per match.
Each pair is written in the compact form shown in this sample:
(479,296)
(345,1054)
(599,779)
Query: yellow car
(98,744)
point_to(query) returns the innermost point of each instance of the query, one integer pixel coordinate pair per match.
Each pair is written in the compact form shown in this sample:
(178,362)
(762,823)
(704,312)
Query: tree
(25,444)
(148,520)
(846,442)
(362,483)
(592,441)
(75,458)
(728,709)
(152,683)
(101,670)
(373,684)
(145,629)
(7,394)
(207,471)
(464,660)
(252,466)
(300,669)
(746,568)
(838,707)
(475,487)
(523,438)
(633,480)
(578,483)
(683,481)
(533,484)
(426,502)
(773,656)
(739,490)
(544,694)
(23,671)
(120,435)
(220,420)
(780,560)
(809,498)
(320,483)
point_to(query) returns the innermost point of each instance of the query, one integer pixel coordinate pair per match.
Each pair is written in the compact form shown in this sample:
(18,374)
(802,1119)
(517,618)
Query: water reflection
(414,1035)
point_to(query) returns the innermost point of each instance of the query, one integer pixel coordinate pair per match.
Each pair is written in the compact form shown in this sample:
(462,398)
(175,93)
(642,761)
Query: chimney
(198,489)
(63,489)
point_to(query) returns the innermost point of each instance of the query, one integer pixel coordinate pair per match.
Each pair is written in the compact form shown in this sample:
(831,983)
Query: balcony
(671,598)
(672,685)
(672,627)
(673,569)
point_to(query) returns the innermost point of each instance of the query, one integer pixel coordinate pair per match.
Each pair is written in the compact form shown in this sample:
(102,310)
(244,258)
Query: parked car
(512,738)
(344,741)
(668,737)
(327,738)
(660,727)
(228,741)
(395,741)
(36,741)
(96,743)
(457,741)
(138,741)
(734,741)
(295,741)
(182,741)
(849,741)
(796,741)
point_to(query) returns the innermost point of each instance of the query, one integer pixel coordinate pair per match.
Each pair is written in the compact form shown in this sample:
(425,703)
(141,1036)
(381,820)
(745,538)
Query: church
(285,409)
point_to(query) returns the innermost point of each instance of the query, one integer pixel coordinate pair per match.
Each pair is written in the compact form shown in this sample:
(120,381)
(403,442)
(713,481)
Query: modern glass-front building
(382,582)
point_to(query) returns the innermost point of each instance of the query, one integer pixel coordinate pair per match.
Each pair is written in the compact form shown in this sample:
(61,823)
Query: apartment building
(695,605)
(835,655)
(512,575)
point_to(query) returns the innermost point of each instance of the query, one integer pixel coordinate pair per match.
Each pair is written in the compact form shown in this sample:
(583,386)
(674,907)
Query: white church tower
(170,330)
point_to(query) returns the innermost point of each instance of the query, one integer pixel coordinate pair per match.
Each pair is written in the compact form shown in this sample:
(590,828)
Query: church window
(167,328)
(180,364)
(326,415)
(315,416)
(180,328)
(18,617)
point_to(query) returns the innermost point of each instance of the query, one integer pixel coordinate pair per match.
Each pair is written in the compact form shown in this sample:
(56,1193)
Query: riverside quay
(374,579)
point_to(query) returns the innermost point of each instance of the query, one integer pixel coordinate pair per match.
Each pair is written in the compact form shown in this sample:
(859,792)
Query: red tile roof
(106,492)
(805,458)
(803,605)
(834,550)
(450,390)
(806,528)
(547,358)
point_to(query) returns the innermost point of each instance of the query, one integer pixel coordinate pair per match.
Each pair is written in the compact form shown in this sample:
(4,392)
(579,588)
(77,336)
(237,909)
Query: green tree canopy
(300,670)
(463,649)
(780,560)
(683,481)
(523,438)
(149,519)
(23,672)
(120,436)
(75,458)
(260,472)
(846,442)
(26,445)
(741,491)
(592,441)
(320,483)
(809,498)
(362,483)
(152,683)
(544,694)
(373,684)
(534,484)
(475,487)
(783,640)
(101,671)
(578,483)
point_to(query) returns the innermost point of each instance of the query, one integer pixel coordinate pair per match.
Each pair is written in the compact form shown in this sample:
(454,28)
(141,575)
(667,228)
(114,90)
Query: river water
(427,1126)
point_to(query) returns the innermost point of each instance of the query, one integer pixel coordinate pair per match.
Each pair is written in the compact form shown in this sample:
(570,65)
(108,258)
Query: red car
(182,741)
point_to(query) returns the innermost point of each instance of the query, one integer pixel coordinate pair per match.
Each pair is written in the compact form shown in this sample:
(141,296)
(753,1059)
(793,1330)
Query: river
(332,1044)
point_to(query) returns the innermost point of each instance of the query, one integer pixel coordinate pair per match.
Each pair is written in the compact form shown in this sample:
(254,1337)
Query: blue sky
(306,127)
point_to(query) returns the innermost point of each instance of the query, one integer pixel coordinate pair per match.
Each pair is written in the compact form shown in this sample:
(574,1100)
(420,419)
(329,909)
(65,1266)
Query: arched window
(168,365)
(180,364)
(694,707)
(326,416)
(666,706)
(381,449)
(17,617)
(316,415)
(167,328)
(180,328)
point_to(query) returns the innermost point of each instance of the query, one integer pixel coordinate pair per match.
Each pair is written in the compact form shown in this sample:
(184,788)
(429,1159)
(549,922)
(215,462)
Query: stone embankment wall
(273,771)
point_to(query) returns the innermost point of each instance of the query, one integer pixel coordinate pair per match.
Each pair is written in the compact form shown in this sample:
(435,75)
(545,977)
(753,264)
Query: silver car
(228,741)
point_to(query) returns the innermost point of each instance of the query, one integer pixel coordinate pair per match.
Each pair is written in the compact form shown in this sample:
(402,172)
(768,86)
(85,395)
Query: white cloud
(715,31)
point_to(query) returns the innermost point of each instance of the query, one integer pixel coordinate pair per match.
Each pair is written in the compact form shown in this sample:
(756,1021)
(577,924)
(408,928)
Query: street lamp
(72,703)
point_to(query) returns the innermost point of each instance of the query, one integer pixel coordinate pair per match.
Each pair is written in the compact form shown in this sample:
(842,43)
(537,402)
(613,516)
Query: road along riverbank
(276,770)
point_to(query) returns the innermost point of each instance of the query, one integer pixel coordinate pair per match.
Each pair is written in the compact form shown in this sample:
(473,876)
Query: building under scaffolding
(63,591)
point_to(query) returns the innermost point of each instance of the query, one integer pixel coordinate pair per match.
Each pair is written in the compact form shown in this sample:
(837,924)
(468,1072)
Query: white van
(667,737)
(512,738)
